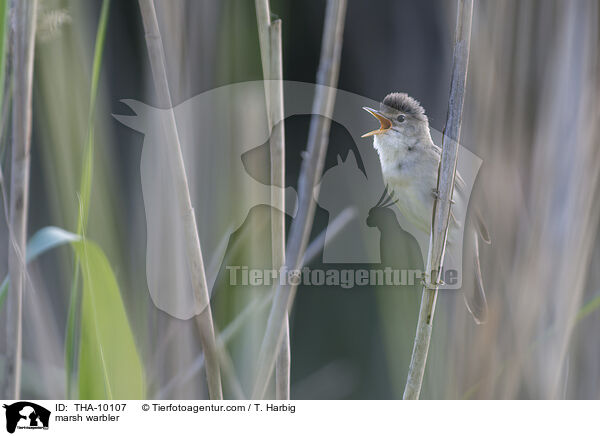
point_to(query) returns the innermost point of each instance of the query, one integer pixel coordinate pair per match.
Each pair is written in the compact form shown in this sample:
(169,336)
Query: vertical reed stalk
(441,206)
(269,34)
(204,319)
(24,19)
(310,173)
(263,20)
(277,145)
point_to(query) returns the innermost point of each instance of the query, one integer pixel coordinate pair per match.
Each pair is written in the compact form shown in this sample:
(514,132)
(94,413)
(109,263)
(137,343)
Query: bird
(409,163)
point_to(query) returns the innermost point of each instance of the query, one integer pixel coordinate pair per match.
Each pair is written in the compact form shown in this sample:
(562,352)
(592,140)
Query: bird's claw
(431,286)
(436,194)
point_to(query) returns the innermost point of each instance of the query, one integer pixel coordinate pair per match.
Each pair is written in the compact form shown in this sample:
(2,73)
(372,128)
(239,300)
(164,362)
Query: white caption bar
(301,417)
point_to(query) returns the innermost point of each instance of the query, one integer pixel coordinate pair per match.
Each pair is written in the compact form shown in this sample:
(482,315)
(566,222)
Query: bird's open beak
(385,123)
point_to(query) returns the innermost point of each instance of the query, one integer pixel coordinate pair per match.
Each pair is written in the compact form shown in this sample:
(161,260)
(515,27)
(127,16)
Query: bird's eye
(400,118)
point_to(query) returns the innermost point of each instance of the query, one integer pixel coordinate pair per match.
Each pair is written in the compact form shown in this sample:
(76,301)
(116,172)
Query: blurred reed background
(531,113)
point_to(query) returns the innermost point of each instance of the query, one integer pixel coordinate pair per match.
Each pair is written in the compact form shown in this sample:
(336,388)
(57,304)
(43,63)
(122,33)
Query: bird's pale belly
(414,201)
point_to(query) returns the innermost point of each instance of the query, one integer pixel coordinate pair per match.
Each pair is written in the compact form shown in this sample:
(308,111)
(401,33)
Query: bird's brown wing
(480,225)
(474,296)
(475,230)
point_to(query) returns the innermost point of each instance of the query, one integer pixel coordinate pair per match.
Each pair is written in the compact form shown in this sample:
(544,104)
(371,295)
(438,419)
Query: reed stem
(204,319)
(24,21)
(277,145)
(269,34)
(442,204)
(310,173)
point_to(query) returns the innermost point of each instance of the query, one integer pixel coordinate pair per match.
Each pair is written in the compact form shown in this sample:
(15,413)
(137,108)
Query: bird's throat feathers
(394,147)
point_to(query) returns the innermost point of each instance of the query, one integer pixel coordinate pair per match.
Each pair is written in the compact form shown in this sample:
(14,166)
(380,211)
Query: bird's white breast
(413,177)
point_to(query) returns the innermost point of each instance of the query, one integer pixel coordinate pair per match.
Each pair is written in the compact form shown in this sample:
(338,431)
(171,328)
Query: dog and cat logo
(26,415)
(223,133)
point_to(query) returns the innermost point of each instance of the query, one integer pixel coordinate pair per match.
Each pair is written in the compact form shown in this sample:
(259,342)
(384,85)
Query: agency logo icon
(25,415)
(219,132)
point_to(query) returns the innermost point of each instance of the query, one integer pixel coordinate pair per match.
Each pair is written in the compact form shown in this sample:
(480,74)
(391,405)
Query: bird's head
(401,118)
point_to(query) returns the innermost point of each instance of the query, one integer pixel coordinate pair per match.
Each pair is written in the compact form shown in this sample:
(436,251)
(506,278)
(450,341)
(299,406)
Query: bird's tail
(475,297)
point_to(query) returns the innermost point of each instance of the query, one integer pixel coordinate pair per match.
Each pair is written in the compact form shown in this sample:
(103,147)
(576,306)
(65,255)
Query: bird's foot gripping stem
(429,284)
(436,194)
